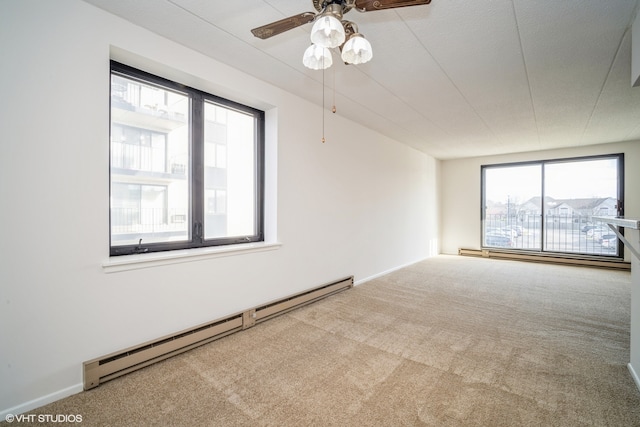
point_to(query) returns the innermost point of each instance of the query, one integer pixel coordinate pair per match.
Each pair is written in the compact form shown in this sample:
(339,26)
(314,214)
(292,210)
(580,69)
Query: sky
(563,180)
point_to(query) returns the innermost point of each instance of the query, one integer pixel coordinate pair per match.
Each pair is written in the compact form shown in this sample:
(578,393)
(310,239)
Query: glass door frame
(540,248)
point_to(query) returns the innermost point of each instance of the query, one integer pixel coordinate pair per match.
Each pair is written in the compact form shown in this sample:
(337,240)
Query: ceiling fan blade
(283,25)
(369,5)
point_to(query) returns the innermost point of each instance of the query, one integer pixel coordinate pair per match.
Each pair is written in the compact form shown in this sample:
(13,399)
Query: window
(549,205)
(186,166)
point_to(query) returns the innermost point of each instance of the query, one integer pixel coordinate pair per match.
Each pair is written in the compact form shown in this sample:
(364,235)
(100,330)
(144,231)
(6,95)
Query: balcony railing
(141,158)
(137,157)
(147,220)
(561,234)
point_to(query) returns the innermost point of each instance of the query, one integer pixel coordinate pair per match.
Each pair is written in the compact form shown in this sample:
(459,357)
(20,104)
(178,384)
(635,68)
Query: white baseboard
(375,276)
(634,375)
(41,401)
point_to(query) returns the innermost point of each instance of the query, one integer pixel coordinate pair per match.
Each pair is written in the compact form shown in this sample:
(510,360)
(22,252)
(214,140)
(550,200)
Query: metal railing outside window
(562,233)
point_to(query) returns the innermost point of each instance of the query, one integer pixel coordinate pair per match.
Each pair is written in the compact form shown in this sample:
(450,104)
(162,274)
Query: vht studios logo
(43,418)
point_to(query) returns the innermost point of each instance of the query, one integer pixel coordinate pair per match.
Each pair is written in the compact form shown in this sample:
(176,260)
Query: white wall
(634,353)
(359,204)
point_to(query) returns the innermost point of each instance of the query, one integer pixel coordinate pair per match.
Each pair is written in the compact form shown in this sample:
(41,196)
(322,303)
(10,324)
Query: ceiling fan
(330,30)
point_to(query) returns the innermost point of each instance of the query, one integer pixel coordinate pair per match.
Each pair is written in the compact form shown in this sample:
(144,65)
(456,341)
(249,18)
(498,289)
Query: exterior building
(149,152)
(149,164)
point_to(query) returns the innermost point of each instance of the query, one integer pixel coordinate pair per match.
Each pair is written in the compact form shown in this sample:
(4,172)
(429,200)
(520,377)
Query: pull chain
(323,100)
(333,109)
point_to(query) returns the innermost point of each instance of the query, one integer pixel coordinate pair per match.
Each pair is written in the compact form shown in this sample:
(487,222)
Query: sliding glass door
(512,206)
(549,205)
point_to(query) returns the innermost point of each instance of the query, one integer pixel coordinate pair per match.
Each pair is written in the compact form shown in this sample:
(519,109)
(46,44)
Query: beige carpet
(451,341)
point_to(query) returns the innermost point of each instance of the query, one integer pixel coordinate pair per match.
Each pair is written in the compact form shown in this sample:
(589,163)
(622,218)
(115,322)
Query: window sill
(133,262)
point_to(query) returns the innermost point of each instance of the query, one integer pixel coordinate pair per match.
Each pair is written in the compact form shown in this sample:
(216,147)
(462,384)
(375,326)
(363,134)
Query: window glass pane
(549,205)
(125,207)
(149,163)
(186,166)
(576,191)
(512,216)
(230,173)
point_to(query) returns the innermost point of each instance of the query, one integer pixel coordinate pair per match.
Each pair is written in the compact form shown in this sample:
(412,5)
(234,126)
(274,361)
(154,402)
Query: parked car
(517,229)
(596,233)
(588,227)
(497,240)
(506,231)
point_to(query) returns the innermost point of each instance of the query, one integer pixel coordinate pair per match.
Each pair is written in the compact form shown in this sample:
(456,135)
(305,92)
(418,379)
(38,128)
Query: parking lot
(560,235)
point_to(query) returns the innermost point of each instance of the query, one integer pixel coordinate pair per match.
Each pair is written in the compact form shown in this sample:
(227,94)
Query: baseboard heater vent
(614,264)
(102,369)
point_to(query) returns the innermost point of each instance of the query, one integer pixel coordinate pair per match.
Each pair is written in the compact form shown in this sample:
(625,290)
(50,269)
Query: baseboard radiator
(102,369)
(614,264)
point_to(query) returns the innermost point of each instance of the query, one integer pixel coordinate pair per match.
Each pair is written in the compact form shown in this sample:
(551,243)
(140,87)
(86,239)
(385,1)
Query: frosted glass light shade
(317,57)
(357,50)
(327,32)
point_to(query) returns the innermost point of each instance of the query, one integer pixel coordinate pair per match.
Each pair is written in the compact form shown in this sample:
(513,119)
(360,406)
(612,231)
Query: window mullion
(197,168)
(543,213)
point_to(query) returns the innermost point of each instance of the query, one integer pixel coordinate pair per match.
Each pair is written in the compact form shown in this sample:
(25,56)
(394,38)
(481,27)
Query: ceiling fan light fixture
(328,31)
(357,50)
(317,57)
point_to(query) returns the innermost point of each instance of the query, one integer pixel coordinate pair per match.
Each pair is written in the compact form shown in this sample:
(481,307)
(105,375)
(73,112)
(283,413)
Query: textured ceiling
(456,78)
